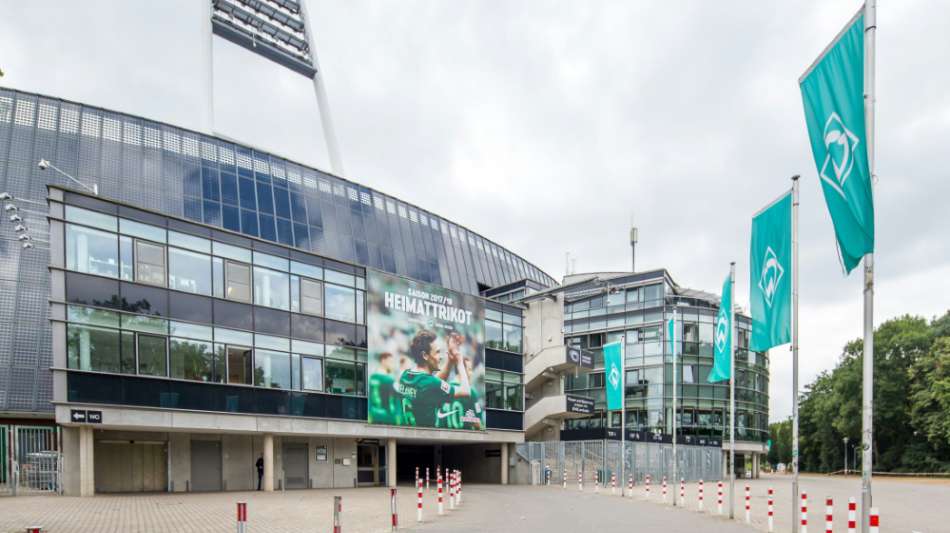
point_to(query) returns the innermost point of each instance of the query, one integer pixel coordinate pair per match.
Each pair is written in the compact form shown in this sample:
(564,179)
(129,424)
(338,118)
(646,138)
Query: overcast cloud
(547,126)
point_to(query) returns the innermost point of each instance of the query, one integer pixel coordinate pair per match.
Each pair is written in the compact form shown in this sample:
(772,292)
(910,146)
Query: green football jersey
(422,396)
(385,405)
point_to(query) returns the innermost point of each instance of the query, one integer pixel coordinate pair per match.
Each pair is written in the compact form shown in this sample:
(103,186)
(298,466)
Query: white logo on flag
(771,275)
(614,377)
(840,144)
(722,329)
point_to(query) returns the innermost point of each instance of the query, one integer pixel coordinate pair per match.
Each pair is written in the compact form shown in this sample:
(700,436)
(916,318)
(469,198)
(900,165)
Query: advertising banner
(426,360)
(579,404)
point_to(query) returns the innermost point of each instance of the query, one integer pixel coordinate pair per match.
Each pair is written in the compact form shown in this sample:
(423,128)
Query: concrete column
(87,464)
(391,462)
(268,463)
(504,463)
(755,466)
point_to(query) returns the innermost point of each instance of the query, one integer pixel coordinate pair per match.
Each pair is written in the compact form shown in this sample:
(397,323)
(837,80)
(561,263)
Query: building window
(151,352)
(341,377)
(239,364)
(312,373)
(341,303)
(189,271)
(311,297)
(149,263)
(99,349)
(494,335)
(92,251)
(271,288)
(238,281)
(192,359)
(504,390)
(272,369)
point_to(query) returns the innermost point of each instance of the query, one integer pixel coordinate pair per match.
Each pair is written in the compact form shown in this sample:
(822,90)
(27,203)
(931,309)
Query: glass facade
(222,184)
(637,315)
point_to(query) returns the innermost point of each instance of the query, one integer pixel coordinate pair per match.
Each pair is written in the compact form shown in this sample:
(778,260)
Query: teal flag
(833,96)
(613,375)
(770,284)
(722,341)
(671,333)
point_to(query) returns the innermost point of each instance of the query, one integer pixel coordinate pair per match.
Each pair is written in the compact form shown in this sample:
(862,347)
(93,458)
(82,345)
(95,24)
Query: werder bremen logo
(614,377)
(770,276)
(840,144)
(722,329)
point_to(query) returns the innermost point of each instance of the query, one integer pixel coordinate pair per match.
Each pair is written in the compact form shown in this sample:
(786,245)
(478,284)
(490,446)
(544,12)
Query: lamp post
(846,456)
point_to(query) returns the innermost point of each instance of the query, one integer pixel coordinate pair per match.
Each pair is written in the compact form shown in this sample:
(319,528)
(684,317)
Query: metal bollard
(417,473)
(852,515)
(630,485)
(648,486)
(771,512)
(683,492)
(613,484)
(804,524)
(337,514)
(241,517)
(439,485)
(874,521)
(580,481)
(829,515)
(392,509)
(451,476)
(564,480)
(427,479)
(596,481)
(419,500)
(664,489)
(748,508)
(460,488)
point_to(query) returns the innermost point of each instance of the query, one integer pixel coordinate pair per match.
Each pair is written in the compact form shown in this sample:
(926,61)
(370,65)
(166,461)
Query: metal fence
(31,459)
(599,459)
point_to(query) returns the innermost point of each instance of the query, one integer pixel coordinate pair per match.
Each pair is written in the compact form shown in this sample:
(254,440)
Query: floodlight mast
(323,103)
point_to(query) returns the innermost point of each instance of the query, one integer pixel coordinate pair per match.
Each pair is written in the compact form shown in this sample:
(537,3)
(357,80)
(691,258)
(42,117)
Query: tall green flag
(833,96)
(770,288)
(613,373)
(722,341)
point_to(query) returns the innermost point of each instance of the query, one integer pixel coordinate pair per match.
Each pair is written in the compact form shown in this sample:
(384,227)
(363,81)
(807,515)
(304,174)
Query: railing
(641,459)
(31,460)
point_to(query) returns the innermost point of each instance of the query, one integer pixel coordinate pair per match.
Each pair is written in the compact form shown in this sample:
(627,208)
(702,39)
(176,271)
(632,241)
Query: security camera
(43,164)
(15,218)
(23,237)
(27,245)
(10,208)
(5,196)
(19,227)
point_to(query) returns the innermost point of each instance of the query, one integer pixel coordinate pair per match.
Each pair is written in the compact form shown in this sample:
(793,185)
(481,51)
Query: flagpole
(623,410)
(867,415)
(732,389)
(675,371)
(794,350)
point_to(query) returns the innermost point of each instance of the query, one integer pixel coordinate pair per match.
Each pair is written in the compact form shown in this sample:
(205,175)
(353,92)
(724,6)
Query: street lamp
(846,456)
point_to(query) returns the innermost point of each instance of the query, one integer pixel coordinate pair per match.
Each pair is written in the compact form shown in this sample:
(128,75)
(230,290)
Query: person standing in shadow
(260,470)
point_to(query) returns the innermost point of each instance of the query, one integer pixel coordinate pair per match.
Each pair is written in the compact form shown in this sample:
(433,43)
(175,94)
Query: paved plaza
(906,506)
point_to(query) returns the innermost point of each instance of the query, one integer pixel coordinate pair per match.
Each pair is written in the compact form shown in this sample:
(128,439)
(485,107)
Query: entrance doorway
(368,465)
(296,465)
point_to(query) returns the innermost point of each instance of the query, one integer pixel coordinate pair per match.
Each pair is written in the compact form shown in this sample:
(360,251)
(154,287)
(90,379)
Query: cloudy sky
(549,126)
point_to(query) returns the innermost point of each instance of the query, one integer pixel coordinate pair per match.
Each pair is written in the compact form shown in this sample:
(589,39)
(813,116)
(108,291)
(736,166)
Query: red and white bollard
(719,496)
(683,492)
(580,481)
(451,476)
(427,479)
(392,509)
(804,528)
(663,491)
(874,521)
(438,484)
(771,517)
(458,492)
(338,514)
(596,481)
(701,489)
(630,485)
(417,473)
(852,515)
(748,506)
(648,486)
(34,529)
(829,515)
(613,483)
(564,479)
(242,517)
(419,500)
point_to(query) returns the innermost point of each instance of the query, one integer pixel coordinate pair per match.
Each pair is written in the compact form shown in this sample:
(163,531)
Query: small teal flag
(833,96)
(671,333)
(722,340)
(770,272)
(613,374)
